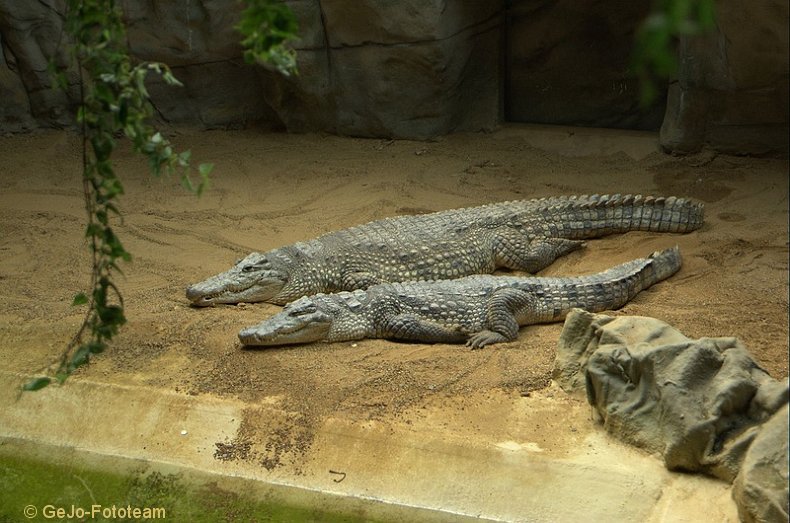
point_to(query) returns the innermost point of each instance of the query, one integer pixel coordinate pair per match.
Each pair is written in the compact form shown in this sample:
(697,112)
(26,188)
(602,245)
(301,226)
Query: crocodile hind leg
(504,307)
(413,328)
(514,250)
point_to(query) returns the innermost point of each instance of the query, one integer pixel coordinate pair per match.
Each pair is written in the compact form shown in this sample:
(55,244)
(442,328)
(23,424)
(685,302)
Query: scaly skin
(479,310)
(525,235)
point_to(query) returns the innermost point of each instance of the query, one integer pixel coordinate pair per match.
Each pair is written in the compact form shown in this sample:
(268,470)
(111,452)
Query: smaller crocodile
(479,310)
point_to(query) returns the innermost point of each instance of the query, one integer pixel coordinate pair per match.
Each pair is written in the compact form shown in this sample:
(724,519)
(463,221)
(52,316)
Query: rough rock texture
(30,36)
(421,68)
(14,106)
(375,68)
(197,40)
(703,404)
(567,63)
(731,90)
(761,488)
(403,69)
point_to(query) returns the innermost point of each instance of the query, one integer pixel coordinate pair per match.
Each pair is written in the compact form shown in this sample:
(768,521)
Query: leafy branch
(114,102)
(267,26)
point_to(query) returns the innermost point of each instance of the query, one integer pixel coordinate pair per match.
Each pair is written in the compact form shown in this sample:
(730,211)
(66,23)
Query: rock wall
(30,36)
(421,68)
(567,63)
(197,40)
(413,68)
(732,89)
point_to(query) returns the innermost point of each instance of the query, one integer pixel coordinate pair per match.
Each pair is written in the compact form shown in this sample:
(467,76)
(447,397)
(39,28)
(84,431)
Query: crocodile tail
(655,268)
(607,290)
(663,264)
(671,214)
(597,215)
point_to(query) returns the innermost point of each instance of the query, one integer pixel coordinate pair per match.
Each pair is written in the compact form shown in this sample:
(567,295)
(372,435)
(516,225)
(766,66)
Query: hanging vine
(113,103)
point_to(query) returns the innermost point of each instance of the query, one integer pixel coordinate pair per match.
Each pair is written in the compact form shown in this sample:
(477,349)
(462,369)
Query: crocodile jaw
(222,289)
(252,279)
(286,329)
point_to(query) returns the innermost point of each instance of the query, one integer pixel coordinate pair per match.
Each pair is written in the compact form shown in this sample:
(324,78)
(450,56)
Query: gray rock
(15,114)
(31,36)
(699,403)
(223,94)
(198,41)
(761,487)
(383,69)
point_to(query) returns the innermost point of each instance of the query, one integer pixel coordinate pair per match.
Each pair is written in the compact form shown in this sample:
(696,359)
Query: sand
(268,190)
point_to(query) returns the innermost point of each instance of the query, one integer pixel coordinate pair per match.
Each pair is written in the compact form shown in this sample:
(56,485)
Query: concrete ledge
(433,464)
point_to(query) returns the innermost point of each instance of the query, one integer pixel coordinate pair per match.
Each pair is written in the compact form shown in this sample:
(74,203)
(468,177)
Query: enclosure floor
(473,432)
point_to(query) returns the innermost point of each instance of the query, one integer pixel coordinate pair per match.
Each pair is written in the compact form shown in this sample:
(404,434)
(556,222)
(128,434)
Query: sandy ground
(273,189)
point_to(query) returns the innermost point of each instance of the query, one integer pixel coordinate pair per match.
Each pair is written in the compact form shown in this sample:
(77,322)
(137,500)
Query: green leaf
(112,314)
(80,358)
(96,347)
(267,26)
(112,208)
(184,157)
(169,79)
(80,299)
(205,168)
(186,181)
(706,13)
(37,384)
(93,230)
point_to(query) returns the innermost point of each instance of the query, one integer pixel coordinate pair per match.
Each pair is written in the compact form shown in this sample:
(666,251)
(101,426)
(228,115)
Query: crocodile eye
(307,309)
(249,268)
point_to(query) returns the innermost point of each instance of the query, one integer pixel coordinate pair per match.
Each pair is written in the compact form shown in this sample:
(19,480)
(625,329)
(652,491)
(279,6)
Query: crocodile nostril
(194,294)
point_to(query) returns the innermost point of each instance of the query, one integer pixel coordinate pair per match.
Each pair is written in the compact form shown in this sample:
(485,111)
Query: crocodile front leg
(512,249)
(414,328)
(504,306)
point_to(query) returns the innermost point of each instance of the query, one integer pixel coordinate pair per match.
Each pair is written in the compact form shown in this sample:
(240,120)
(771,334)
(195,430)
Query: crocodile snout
(196,296)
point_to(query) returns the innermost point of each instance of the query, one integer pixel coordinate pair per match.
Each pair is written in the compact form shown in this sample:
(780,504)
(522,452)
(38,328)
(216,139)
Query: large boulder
(761,488)
(703,404)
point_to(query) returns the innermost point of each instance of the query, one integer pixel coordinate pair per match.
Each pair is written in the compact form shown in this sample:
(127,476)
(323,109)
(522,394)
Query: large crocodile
(525,235)
(479,310)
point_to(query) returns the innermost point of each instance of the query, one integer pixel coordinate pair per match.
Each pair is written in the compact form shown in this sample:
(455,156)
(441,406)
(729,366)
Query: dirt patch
(272,189)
